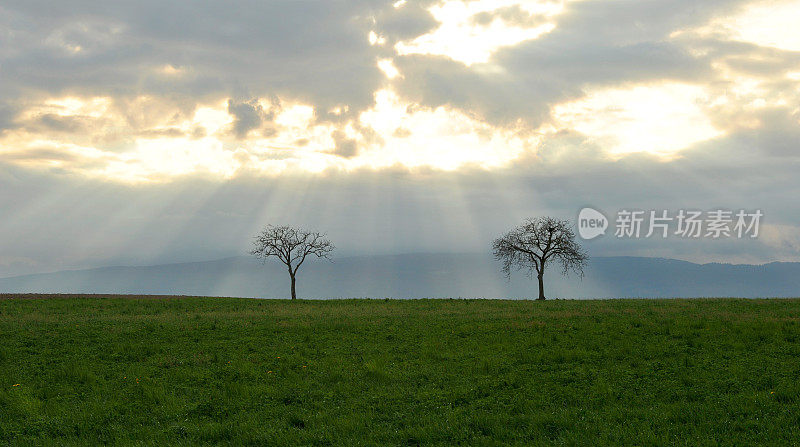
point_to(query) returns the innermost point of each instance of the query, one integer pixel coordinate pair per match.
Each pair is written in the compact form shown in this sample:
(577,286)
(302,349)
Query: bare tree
(534,244)
(291,246)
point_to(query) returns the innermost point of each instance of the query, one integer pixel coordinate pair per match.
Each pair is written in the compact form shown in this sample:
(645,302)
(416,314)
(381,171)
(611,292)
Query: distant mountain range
(423,276)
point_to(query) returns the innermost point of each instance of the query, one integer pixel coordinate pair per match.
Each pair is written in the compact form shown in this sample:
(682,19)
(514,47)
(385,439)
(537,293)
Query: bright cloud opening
(661,119)
(393,132)
(470,32)
(439,138)
(769,24)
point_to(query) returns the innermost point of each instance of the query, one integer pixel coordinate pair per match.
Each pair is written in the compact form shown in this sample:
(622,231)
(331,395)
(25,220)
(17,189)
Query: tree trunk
(294,293)
(541,286)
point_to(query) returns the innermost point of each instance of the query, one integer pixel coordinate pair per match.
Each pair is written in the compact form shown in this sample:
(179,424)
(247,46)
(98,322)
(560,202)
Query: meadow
(191,370)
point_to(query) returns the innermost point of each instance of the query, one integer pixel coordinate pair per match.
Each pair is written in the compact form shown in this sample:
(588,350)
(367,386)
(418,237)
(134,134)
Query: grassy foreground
(238,371)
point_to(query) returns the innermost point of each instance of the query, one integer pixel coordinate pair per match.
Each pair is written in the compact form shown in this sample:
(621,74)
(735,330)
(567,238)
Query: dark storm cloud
(7,115)
(61,123)
(511,15)
(344,147)
(247,116)
(317,52)
(310,51)
(409,21)
(539,76)
(593,44)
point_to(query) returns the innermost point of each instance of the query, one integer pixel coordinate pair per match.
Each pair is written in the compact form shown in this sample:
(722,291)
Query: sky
(149,132)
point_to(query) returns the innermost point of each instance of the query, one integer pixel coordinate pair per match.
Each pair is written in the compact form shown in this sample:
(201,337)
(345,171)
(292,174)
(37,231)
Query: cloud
(7,115)
(592,45)
(345,147)
(39,154)
(58,123)
(316,52)
(405,22)
(157,73)
(247,116)
(513,15)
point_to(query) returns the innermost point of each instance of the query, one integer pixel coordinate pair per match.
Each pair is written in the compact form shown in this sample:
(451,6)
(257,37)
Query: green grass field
(431,372)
